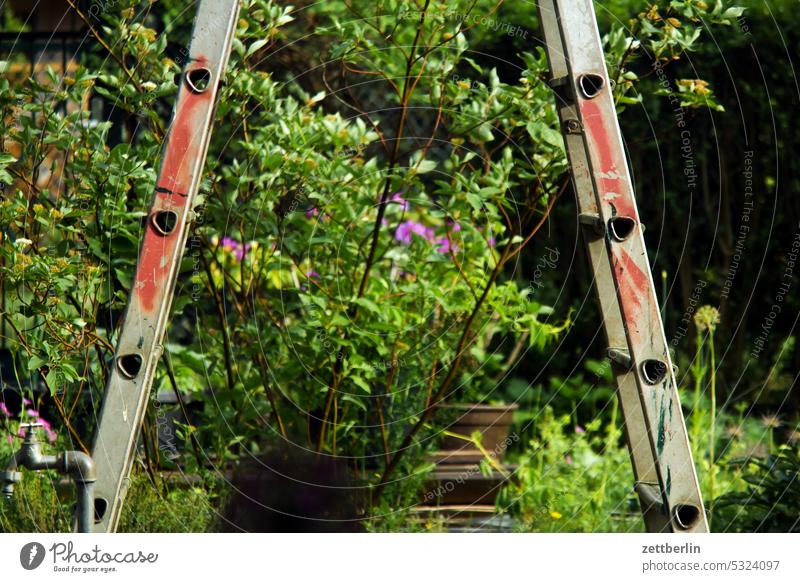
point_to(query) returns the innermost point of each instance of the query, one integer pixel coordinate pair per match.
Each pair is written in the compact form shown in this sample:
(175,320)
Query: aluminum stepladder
(166,231)
(666,481)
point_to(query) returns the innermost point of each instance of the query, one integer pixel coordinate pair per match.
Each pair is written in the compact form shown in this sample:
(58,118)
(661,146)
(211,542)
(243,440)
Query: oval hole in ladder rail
(653,371)
(621,227)
(199,79)
(100,507)
(685,516)
(129,365)
(591,85)
(164,221)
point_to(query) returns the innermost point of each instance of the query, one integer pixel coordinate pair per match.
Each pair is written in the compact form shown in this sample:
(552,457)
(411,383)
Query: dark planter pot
(457,480)
(492,422)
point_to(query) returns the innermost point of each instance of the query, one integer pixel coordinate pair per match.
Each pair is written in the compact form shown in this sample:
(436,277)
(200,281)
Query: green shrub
(43,502)
(770,501)
(573,479)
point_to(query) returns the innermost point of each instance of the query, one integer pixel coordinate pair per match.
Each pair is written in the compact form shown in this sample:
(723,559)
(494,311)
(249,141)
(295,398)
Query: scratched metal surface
(642,457)
(654,421)
(142,331)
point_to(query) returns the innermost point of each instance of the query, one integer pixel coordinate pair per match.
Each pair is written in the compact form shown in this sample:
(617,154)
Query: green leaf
(368,304)
(361,383)
(425,166)
(35,363)
(256,45)
(475,201)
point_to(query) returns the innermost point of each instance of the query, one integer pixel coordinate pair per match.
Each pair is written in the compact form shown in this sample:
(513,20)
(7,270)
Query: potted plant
(476,425)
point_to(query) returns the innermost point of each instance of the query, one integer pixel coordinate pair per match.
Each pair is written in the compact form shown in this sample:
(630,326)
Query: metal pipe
(85,510)
(76,464)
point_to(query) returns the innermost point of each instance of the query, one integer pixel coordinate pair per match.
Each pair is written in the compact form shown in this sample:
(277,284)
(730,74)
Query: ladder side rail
(167,228)
(642,459)
(618,214)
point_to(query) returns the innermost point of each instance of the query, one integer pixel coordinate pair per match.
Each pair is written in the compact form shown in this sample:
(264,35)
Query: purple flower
(239,250)
(397,197)
(491,240)
(404,232)
(444,245)
(579,429)
(424,232)
(10,439)
(312,212)
(454,226)
(25,400)
(312,274)
(32,412)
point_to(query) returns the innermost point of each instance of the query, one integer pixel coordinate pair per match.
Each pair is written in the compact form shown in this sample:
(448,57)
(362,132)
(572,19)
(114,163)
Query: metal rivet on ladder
(649,495)
(621,227)
(685,516)
(199,79)
(573,126)
(619,356)
(653,371)
(591,85)
(129,365)
(164,221)
(593,221)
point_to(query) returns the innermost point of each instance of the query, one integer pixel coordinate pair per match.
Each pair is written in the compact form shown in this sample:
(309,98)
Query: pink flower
(579,429)
(32,412)
(568,459)
(312,212)
(423,231)
(491,241)
(52,435)
(4,409)
(312,274)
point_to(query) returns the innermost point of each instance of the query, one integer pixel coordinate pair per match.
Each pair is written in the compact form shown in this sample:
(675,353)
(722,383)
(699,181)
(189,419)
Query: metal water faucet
(76,464)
